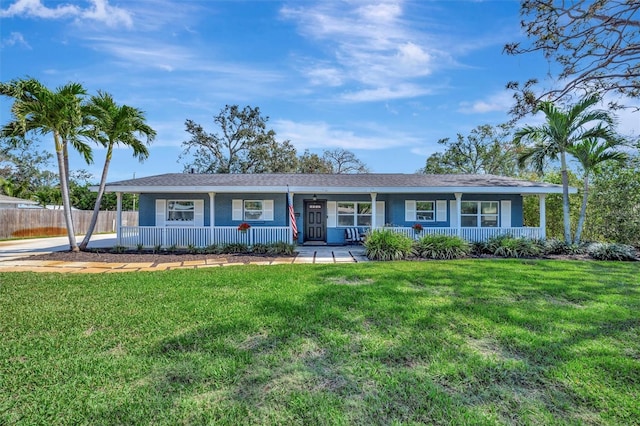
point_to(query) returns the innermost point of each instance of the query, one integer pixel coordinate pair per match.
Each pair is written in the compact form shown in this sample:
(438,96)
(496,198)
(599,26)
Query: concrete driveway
(17,249)
(20,249)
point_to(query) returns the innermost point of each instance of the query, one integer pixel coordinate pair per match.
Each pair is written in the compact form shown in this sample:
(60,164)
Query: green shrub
(281,248)
(508,246)
(212,249)
(556,246)
(612,251)
(118,249)
(494,243)
(260,248)
(478,248)
(384,244)
(235,248)
(441,247)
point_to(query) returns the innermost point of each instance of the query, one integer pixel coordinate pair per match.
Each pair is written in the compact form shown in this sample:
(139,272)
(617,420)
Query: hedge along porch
(200,210)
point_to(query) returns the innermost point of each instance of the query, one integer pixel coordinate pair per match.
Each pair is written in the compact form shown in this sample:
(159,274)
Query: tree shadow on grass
(408,344)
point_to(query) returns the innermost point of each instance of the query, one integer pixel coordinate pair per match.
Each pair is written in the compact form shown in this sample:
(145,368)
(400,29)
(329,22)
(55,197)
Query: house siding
(147,206)
(222,207)
(394,208)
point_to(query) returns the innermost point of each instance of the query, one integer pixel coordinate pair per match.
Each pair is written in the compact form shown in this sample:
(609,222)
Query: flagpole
(292,216)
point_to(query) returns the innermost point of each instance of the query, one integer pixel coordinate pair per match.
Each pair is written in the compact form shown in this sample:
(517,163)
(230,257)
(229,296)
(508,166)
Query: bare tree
(342,161)
(243,145)
(595,43)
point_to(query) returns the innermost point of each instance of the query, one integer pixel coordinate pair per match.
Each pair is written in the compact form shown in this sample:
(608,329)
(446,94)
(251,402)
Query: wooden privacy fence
(16,223)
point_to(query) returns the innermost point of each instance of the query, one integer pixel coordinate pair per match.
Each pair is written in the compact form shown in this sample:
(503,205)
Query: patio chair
(353,236)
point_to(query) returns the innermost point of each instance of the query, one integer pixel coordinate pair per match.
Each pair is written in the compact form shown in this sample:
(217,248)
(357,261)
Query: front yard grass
(455,342)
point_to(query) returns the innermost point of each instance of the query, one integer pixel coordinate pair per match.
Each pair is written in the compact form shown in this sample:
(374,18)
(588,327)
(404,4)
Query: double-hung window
(354,213)
(181,212)
(253,210)
(425,211)
(479,214)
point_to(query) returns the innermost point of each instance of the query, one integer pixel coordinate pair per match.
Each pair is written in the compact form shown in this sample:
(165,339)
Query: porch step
(316,254)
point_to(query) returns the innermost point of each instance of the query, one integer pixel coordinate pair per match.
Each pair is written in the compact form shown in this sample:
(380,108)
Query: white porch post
(119,218)
(291,219)
(458,196)
(543,216)
(212,215)
(374,212)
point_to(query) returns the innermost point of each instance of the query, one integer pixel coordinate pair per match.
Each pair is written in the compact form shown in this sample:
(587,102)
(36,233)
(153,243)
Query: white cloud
(320,135)
(498,102)
(100,11)
(113,16)
(35,9)
(14,39)
(386,93)
(373,46)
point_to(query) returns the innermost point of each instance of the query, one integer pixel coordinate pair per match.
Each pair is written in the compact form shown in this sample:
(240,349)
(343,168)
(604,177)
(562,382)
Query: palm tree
(591,153)
(560,132)
(61,113)
(111,124)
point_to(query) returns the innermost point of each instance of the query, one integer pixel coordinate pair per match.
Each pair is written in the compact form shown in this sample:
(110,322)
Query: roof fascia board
(337,190)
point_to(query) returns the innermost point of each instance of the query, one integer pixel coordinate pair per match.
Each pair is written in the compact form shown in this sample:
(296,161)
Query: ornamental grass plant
(437,246)
(385,244)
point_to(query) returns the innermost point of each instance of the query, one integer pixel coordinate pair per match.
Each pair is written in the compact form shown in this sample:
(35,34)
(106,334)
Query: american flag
(292,216)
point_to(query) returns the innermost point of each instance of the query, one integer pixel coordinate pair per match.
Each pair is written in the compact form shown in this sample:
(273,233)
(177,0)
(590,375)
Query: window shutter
(332,206)
(198,214)
(161,212)
(380,217)
(410,210)
(453,204)
(505,214)
(267,209)
(441,211)
(236,210)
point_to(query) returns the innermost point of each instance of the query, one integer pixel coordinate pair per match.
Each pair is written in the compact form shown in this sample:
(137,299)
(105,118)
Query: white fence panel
(151,236)
(272,234)
(471,234)
(230,235)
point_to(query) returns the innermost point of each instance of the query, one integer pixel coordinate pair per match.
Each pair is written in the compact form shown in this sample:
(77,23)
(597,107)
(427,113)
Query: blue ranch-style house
(204,209)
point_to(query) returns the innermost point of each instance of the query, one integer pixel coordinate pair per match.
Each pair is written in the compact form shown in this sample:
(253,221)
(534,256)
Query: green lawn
(456,342)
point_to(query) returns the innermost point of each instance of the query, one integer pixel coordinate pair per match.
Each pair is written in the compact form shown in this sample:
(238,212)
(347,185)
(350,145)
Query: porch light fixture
(315,197)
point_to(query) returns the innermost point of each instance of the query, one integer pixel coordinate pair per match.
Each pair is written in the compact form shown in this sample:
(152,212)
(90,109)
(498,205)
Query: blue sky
(385,79)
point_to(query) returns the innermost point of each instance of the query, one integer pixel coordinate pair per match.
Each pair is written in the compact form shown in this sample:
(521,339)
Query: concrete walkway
(14,257)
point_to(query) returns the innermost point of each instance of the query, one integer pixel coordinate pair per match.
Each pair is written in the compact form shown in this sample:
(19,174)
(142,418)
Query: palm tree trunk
(583,208)
(96,208)
(64,190)
(565,199)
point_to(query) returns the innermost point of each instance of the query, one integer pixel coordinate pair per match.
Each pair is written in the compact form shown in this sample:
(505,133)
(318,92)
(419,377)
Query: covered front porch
(207,233)
(183,237)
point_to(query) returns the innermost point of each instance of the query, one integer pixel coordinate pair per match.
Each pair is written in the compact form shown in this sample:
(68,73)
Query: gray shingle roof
(396,182)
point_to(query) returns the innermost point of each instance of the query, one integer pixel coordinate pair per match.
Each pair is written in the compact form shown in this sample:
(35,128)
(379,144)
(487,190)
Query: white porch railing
(201,236)
(472,234)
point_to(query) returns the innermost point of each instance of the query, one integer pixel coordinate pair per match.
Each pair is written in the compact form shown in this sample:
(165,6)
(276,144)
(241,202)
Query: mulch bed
(144,257)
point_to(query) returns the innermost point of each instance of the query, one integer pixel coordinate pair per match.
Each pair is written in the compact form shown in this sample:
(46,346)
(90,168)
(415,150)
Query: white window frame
(190,222)
(238,210)
(432,211)
(245,210)
(479,215)
(355,215)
